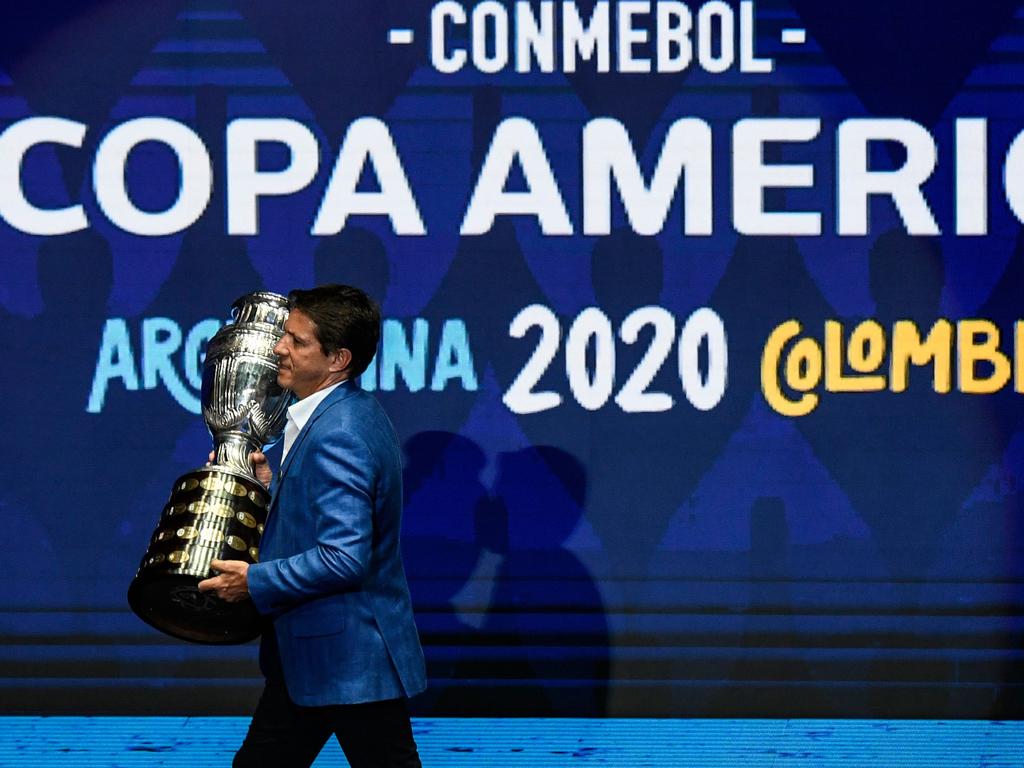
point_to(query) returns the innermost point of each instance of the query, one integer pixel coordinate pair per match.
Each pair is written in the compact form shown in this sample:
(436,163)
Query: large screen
(702,336)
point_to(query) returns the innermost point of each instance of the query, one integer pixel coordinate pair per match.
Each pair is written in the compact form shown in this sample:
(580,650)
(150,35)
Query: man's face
(304,368)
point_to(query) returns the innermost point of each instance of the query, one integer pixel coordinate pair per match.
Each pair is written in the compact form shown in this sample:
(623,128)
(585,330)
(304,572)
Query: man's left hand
(232,583)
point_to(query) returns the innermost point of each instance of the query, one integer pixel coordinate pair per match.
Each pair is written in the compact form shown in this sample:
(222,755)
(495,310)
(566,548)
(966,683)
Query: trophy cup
(218,511)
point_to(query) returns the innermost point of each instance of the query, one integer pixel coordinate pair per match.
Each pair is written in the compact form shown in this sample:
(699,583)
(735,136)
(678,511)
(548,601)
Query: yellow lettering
(970,351)
(1018,355)
(908,348)
(866,351)
(803,370)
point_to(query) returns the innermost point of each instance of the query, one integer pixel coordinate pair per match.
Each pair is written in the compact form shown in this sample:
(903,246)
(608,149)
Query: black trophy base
(173,604)
(212,513)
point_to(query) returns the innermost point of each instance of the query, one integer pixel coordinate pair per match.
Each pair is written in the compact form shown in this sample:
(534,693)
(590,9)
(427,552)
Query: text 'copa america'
(608,173)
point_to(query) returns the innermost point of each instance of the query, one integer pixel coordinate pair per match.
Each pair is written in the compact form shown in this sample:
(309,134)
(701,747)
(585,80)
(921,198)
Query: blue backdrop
(580,552)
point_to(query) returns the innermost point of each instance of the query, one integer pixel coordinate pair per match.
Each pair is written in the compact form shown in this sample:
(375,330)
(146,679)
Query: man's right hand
(261,468)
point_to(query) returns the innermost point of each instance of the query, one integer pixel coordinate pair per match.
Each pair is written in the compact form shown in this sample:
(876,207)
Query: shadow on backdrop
(547,613)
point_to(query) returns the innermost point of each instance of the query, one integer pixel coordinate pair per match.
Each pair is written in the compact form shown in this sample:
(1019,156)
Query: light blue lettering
(161,338)
(454,358)
(368,380)
(194,354)
(399,355)
(115,361)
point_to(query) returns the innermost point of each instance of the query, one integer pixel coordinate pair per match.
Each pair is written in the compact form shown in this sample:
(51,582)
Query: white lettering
(608,152)
(750,177)
(535,38)
(439,57)
(675,51)
(15,208)
(903,185)
(585,40)
(195,170)
(708,14)
(246,183)
(368,139)
(972,176)
(516,140)
(630,35)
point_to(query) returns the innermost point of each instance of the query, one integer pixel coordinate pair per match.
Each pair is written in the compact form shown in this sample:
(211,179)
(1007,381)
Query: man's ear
(340,360)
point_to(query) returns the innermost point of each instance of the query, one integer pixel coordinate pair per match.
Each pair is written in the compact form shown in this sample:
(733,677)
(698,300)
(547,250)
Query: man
(342,654)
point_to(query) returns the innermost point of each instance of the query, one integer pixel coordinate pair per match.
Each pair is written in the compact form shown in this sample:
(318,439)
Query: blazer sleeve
(341,484)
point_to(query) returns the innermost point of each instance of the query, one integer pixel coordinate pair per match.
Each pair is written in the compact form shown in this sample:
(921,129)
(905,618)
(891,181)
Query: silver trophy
(218,511)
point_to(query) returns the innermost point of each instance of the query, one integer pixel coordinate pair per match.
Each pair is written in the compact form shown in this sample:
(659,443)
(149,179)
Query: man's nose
(279,348)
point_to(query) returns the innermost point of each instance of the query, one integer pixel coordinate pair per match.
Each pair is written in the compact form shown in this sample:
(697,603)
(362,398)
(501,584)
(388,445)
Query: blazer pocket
(317,621)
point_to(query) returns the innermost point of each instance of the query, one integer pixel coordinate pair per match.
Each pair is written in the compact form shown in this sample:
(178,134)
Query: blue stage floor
(210,741)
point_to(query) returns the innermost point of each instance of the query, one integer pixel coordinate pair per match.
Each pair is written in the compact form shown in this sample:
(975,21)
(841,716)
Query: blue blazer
(330,573)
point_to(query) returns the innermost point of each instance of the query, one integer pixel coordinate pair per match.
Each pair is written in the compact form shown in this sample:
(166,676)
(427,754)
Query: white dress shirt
(299,413)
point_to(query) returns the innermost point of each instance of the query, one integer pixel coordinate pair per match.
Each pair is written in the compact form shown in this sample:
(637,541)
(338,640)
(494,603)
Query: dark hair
(343,318)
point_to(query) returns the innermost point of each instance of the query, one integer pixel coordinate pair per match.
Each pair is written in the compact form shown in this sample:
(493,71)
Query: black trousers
(283,734)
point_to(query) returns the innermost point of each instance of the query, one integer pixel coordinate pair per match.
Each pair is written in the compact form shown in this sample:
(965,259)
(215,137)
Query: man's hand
(261,468)
(232,583)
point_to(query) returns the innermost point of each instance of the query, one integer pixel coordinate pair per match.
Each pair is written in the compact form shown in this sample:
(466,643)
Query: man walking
(341,653)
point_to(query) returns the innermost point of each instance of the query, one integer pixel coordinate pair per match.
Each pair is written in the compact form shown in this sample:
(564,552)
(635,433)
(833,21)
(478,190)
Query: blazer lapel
(343,390)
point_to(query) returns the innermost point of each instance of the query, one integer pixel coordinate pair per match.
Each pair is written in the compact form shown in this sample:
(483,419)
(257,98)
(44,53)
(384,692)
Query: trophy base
(213,513)
(173,604)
